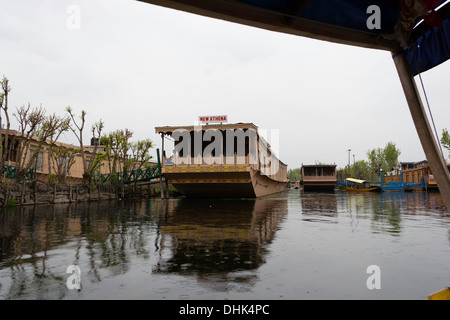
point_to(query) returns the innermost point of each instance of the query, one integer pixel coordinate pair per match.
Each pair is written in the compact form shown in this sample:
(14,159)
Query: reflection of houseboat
(222,160)
(314,206)
(359,185)
(217,240)
(318,177)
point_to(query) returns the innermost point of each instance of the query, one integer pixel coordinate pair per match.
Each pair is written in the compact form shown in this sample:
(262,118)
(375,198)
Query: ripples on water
(292,245)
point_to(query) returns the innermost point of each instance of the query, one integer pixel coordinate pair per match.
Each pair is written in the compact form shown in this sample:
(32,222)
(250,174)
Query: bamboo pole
(427,139)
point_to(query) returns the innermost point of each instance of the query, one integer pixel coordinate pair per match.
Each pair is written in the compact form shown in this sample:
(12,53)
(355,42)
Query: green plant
(52,178)
(11,203)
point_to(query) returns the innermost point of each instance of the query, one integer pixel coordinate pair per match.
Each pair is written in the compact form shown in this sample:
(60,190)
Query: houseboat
(415,176)
(318,177)
(221,160)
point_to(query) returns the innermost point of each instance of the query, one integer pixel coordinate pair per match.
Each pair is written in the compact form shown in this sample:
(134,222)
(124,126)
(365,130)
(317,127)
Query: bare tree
(124,146)
(117,145)
(63,160)
(94,161)
(77,129)
(29,121)
(52,128)
(4,154)
(140,153)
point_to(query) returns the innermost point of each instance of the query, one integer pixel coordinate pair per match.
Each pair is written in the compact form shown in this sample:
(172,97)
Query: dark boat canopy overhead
(420,27)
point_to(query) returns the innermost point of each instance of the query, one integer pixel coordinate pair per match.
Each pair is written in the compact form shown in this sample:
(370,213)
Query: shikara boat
(357,185)
(236,162)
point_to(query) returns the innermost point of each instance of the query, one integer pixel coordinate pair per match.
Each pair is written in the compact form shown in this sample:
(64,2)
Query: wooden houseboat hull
(235,184)
(443,294)
(325,186)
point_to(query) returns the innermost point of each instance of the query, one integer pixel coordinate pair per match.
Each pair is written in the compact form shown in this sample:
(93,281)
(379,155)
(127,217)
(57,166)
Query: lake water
(292,245)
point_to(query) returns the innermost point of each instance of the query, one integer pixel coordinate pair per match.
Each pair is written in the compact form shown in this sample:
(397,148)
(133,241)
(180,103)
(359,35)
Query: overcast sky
(139,66)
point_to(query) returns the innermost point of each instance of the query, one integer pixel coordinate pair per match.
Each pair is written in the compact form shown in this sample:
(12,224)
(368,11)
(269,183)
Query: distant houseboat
(222,160)
(318,177)
(418,173)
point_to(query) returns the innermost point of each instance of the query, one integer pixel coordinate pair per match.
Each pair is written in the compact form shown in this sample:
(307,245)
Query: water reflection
(39,243)
(163,248)
(385,210)
(212,239)
(207,238)
(319,206)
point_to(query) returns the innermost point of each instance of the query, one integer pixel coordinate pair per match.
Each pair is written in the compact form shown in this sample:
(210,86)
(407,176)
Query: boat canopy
(420,27)
(355,180)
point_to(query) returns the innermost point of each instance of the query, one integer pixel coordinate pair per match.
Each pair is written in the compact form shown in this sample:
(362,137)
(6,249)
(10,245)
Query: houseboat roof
(318,165)
(355,180)
(170,129)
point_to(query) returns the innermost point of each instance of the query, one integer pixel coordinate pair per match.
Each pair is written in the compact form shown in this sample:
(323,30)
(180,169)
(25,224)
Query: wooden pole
(167,188)
(161,184)
(54,193)
(427,139)
(162,147)
(35,192)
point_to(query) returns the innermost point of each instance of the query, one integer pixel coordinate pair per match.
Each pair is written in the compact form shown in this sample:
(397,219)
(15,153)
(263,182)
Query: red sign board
(209,119)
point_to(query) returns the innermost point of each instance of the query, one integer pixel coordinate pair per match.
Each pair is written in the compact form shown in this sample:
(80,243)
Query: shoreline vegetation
(37,168)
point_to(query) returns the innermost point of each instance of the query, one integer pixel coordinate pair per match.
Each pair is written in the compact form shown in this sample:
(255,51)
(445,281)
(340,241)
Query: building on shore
(44,158)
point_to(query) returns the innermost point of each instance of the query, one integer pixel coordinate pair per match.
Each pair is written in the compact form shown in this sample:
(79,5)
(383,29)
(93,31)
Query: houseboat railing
(264,165)
(145,174)
(212,161)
